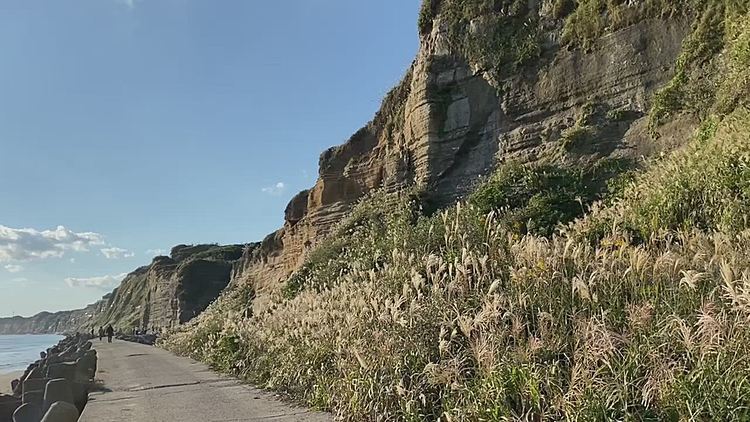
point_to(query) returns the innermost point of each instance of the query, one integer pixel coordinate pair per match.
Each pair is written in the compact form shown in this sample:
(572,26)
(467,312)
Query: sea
(18,351)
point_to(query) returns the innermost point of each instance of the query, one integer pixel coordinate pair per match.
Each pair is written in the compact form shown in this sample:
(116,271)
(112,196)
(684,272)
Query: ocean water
(18,351)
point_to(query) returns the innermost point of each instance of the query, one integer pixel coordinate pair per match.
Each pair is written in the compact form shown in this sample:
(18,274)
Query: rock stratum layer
(450,122)
(168,292)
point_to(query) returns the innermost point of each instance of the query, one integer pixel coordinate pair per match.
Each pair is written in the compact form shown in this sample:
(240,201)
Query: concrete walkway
(145,383)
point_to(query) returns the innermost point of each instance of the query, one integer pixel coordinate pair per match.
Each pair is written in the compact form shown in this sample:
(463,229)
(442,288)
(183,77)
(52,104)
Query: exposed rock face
(448,124)
(173,289)
(297,208)
(170,291)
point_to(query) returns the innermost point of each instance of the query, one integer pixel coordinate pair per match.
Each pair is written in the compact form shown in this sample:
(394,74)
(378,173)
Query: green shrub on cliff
(712,74)
(704,186)
(496,35)
(538,198)
(590,19)
(533,198)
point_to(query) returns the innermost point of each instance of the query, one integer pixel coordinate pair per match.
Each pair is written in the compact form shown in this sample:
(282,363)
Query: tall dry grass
(462,320)
(638,311)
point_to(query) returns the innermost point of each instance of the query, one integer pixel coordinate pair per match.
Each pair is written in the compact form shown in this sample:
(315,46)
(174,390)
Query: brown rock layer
(448,124)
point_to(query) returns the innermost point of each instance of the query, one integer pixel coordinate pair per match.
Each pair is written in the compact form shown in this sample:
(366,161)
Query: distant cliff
(170,291)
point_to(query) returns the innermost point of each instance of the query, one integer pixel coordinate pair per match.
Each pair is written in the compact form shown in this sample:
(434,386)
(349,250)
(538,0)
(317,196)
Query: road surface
(145,383)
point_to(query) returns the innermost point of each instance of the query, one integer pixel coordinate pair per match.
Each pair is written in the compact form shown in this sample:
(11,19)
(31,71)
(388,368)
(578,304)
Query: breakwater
(55,388)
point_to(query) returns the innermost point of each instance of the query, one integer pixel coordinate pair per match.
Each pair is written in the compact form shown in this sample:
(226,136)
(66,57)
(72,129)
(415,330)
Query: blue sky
(127,127)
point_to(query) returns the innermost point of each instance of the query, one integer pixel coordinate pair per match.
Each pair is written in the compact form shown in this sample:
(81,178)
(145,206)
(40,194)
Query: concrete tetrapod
(34,398)
(65,370)
(35,384)
(61,412)
(58,390)
(86,366)
(80,393)
(27,413)
(37,372)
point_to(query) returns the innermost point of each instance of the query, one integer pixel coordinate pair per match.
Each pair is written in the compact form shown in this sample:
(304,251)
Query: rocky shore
(55,388)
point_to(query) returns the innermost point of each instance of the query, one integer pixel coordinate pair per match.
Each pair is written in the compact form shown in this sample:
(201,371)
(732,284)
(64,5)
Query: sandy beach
(5,380)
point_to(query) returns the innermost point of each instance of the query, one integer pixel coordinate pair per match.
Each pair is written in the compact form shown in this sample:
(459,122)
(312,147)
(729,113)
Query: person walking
(101,333)
(110,333)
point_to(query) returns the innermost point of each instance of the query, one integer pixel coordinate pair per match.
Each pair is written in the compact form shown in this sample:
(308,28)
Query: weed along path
(145,383)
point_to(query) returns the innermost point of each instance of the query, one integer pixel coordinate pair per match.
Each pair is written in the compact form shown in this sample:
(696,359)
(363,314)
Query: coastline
(16,371)
(6,378)
(63,375)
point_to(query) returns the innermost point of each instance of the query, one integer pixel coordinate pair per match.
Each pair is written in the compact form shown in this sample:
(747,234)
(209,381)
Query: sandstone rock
(297,208)
(448,124)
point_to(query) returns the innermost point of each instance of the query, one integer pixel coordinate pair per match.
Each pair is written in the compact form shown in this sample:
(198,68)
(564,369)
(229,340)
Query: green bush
(576,137)
(590,19)
(712,75)
(705,186)
(563,8)
(538,198)
(427,15)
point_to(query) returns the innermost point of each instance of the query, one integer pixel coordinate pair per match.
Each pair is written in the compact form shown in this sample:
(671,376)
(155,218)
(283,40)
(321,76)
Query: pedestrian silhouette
(110,333)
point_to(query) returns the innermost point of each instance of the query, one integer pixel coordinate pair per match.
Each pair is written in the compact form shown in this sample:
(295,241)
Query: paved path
(151,384)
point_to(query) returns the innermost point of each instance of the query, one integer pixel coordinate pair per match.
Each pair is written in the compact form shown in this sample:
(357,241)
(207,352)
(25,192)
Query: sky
(131,126)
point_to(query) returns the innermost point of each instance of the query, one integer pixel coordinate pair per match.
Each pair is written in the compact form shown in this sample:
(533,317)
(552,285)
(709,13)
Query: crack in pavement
(113,399)
(184,384)
(159,387)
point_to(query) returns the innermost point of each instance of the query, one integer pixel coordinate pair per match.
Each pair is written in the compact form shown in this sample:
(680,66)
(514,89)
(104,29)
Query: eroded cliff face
(47,322)
(451,122)
(168,292)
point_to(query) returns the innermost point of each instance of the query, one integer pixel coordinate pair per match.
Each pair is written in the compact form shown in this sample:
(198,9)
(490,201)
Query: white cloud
(116,253)
(156,252)
(12,268)
(105,282)
(20,280)
(276,189)
(28,244)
